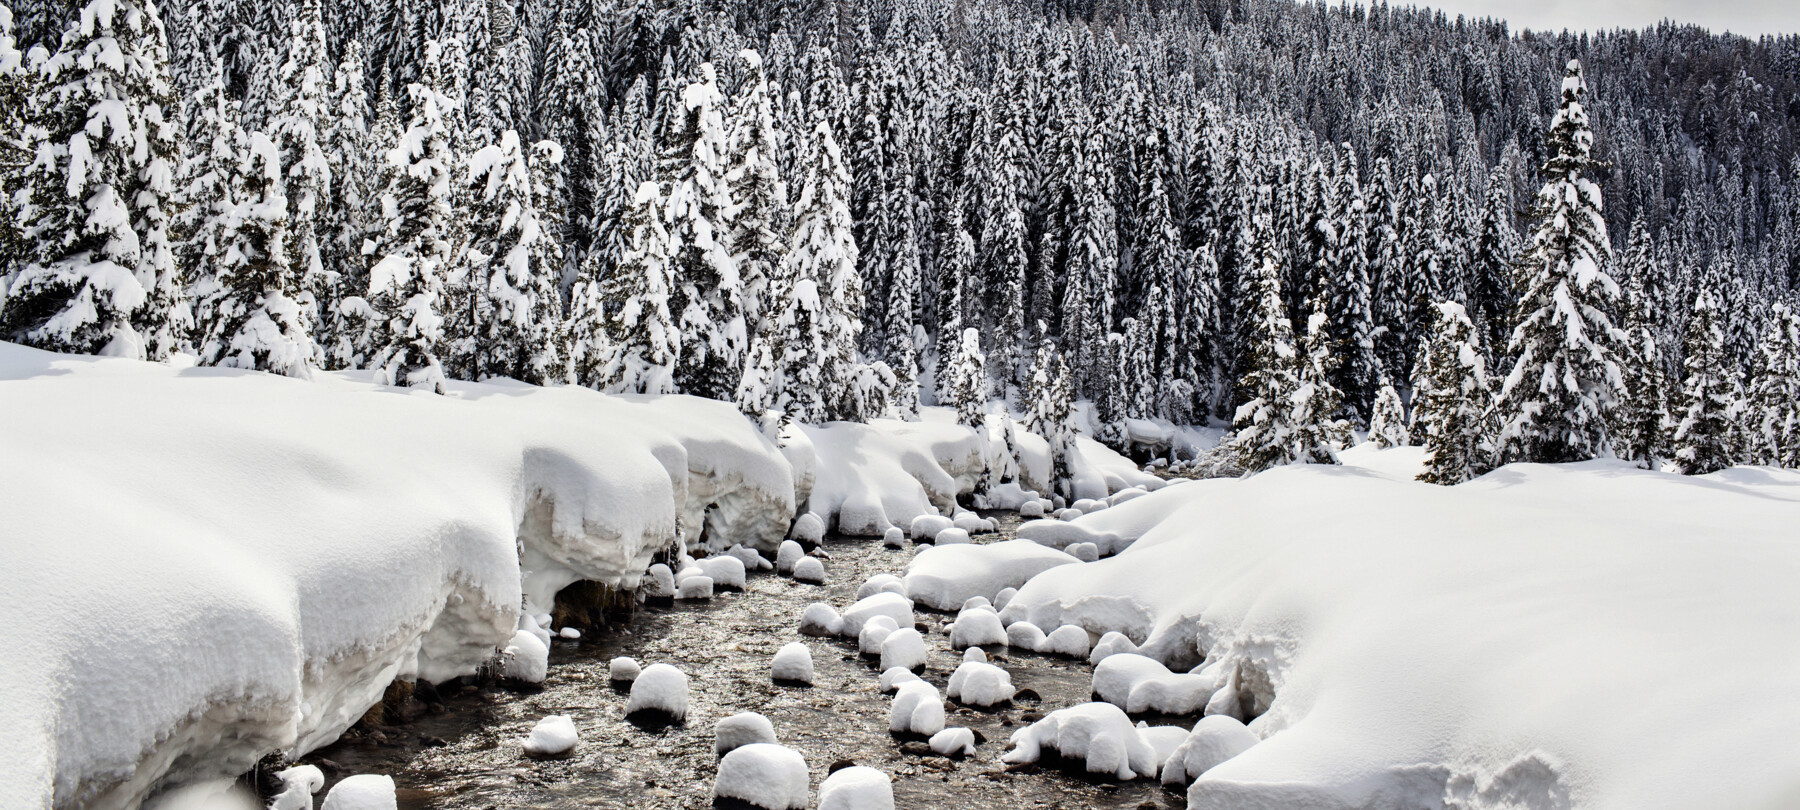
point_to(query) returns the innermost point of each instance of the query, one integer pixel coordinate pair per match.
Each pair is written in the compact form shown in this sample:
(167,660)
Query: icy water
(468,755)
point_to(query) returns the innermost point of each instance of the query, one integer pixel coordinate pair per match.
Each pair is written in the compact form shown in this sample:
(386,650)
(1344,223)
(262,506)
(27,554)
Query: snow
(1397,643)
(917,709)
(752,560)
(1118,472)
(788,556)
(298,784)
(1110,644)
(526,658)
(793,663)
(1085,552)
(810,570)
(857,787)
(971,523)
(659,582)
(696,586)
(1140,684)
(659,688)
(1004,597)
(928,526)
(726,571)
(893,538)
(943,577)
(881,583)
(623,669)
(977,602)
(903,648)
(874,632)
(951,537)
(1068,640)
(1213,740)
(975,654)
(765,775)
(810,528)
(980,684)
(953,742)
(569,633)
(887,473)
(892,605)
(363,791)
(739,730)
(1099,735)
(552,736)
(977,627)
(820,619)
(1025,636)
(892,678)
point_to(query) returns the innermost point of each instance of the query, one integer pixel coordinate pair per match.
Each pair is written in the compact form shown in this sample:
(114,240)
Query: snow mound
(751,558)
(622,670)
(820,619)
(765,775)
(809,570)
(1004,597)
(927,526)
(659,582)
(1527,617)
(874,632)
(953,742)
(793,663)
(1066,640)
(917,709)
(881,583)
(739,730)
(857,787)
(1213,740)
(892,605)
(1085,552)
(1139,684)
(903,648)
(1024,636)
(787,556)
(951,537)
(809,528)
(525,658)
(1098,735)
(1112,643)
(893,538)
(883,474)
(1117,471)
(726,571)
(552,736)
(975,654)
(892,678)
(696,586)
(944,577)
(298,784)
(980,684)
(977,627)
(364,791)
(659,688)
(977,602)
(1031,509)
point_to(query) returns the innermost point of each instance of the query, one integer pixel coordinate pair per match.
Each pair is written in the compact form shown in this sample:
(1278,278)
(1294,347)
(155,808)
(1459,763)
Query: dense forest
(1330,218)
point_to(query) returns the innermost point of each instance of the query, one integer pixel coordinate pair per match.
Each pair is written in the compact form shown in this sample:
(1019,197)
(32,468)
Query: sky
(1747,17)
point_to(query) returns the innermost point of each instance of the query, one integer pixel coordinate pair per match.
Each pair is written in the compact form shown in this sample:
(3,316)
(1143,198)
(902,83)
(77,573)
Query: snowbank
(943,577)
(1577,635)
(208,565)
(877,476)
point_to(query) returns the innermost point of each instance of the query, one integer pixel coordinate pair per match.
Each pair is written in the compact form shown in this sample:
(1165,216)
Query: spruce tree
(1491,296)
(407,281)
(301,120)
(1261,429)
(1318,434)
(99,275)
(516,262)
(968,382)
(1772,405)
(1565,380)
(345,218)
(1452,397)
(258,315)
(820,268)
(707,298)
(757,187)
(1641,432)
(902,352)
(956,266)
(1387,423)
(212,184)
(15,94)
(1709,395)
(1051,414)
(642,340)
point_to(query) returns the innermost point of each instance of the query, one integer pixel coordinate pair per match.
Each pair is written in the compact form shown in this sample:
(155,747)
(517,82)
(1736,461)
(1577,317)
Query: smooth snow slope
(1546,636)
(205,565)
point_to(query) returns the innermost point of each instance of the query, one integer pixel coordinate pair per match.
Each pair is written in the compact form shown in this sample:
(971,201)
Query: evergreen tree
(302,119)
(902,352)
(258,317)
(642,342)
(1387,423)
(15,94)
(1565,379)
(345,219)
(708,294)
(1709,395)
(820,268)
(1452,398)
(968,382)
(1052,415)
(419,241)
(211,178)
(1261,435)
(518,266)
(1772,407)
(760,222)
(1317,433)
(99,275)
(1491,295)
(955,268)
(1643,423)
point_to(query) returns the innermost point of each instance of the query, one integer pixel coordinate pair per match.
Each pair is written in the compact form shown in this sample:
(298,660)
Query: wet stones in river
(659,697)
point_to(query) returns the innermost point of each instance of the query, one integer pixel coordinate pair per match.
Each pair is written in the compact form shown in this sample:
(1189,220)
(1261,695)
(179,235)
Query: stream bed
(465,755)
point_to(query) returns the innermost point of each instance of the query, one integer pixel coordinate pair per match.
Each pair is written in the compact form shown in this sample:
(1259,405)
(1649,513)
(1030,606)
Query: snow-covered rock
(1116,675)
(881,583)
(364,791)
(892,605)
(951,537)
(1031,509)
(787,556)
(874,632)
(793,663)
(765,775)
(809,528)
(857,787)
(917,709)
(892,678)
(971,523)
(953,742)
(903,648)
(1097,734)
(977,627)
(552,736)
(980,684)
(926,527)
(1067,514)
(975,654)
(977,602)
(569,634)
(810,570)
(751,558)
(697,586)
(1004,597)
(298,784)
(1088,505)
(659,582)
(526,658)
(1066,640)
(1213,740)
(659,688)
(725,570)
(622,669)
(820,619)
(1024,636)
(739,730)
(946,576)
(893,538)
(1112,643)
(1085,552)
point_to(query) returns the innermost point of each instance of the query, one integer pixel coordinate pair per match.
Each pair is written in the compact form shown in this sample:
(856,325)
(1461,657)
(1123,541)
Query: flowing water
(466,753)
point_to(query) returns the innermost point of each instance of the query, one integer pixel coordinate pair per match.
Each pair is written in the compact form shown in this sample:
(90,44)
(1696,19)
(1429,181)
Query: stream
(466,753)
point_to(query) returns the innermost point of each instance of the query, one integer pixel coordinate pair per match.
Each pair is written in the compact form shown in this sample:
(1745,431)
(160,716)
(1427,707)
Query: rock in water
(793,663)
(857,788)
(364,791)
(739,730)
(552,736)
(659,688)
(766,775)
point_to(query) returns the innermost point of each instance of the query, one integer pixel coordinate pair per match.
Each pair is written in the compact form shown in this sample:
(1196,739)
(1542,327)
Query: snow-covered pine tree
(757,188)
(1261,429)
(1387,422)
(968,381)
(406,283)
(956,265)
(301,119)
(99,275)
(708,294)
(258,314)
(1491,295)
(1710,392)
(1051,414)
(210,176)
(902,353)
(1772,405)
(642,341)
(15,94)
(1452,398)
(822,256)
(757,393)
(345,220)
(517,265)
(1642,421)
(1317,432)
(1565,380)
(358,330)
(1351,293)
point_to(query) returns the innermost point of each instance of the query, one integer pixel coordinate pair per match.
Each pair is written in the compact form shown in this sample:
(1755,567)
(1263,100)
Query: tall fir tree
(518,264)
(1452,400)
(1709,394)
(1772,405)
(300,123)
(643,340)
(1565,380)
(1642,422)
(1261,435)
(707,297)
(1387,422)
(758,188)
(259,318)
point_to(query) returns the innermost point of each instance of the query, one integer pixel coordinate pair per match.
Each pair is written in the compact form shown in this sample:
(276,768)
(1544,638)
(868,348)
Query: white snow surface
(552,736)
(1490,644)
(623,669)
(364,791)
(943,577)
(739,730)
(857,787)
(977,627)
(953,742)
(917,709)
(1097,734)
(980,684)
(210,564)
(1213,740)
(886,473)
(904,648)
(892,605)
(766,775)
(662,688)
(793,663)
(810,570)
